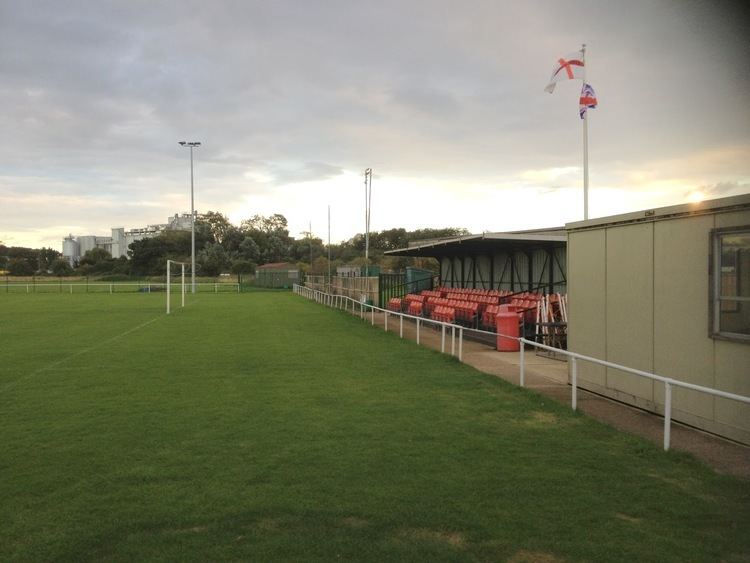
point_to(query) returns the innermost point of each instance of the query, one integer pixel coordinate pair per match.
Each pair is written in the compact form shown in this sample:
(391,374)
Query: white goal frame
(169,282)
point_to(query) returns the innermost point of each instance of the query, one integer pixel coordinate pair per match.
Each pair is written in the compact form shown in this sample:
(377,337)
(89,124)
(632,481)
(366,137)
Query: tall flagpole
(585,147)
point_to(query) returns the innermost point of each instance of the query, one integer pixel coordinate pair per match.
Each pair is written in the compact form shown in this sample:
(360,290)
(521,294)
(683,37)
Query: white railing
(110,287)
(337,300)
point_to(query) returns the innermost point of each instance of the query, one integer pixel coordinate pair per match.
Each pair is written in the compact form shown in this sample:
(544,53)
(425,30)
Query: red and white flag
(568,67)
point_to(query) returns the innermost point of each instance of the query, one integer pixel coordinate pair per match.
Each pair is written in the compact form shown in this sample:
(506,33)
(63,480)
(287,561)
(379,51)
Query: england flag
(568,67)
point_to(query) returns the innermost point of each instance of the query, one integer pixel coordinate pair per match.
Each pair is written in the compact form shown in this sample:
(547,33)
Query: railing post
(386,321)
(521,376)
(442,341)
(667,413)
(372,310)
(453,340)
(417,331)
(401,326)
(574,382)
(460,343)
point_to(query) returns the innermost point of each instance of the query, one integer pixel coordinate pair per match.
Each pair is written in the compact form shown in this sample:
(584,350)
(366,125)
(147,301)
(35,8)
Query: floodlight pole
(192,145)
(368,200)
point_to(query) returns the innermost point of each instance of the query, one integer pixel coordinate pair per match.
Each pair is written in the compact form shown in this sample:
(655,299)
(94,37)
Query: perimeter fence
(114,287)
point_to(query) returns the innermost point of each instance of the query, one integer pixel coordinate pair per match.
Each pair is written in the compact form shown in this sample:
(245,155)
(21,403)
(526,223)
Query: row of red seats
(431,293)
(408,298)
(433,302)
(467,291)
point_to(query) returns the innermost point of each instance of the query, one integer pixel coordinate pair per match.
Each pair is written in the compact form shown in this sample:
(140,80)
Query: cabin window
(730,283)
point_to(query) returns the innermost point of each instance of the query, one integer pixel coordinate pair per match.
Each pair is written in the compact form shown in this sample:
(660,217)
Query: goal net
(180,285)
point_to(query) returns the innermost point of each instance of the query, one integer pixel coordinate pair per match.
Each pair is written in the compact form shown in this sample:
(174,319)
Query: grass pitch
(264,427)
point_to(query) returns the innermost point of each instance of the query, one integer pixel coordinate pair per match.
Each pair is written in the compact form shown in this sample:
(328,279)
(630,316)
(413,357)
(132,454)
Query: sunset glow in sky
(293,100)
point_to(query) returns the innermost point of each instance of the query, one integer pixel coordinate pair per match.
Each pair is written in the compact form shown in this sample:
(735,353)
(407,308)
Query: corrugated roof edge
(532,235)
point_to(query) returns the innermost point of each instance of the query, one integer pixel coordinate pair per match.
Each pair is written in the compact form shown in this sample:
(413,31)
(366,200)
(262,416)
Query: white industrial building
(74,247)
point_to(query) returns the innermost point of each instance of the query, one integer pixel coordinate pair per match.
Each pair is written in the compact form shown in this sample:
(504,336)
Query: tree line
(222,247)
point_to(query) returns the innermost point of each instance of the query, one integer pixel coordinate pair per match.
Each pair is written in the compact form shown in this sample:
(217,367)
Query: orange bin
(507,324)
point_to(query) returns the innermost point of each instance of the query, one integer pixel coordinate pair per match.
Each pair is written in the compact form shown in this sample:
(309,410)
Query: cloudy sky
(293,99)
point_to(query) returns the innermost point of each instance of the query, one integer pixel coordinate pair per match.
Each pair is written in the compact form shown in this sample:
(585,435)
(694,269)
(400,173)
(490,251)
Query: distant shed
(280,275)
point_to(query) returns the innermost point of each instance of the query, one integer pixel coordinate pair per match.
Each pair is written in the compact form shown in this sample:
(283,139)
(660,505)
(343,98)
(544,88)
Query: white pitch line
(76,354)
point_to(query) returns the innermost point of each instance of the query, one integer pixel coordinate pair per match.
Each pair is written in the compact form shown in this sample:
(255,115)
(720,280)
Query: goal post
(169,283)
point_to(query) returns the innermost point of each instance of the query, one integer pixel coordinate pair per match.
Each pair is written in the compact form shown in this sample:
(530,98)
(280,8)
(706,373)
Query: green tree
(20,267)
(249,250)
(233,237)
(320,266)
(243,267)
(45,258)
(95,256)
(213,260)
(275,250)
(276,223)
(218,225)
(424,234)
(61,267)
(148,256)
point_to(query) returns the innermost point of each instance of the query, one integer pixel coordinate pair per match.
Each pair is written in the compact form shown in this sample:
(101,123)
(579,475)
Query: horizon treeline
(222,247)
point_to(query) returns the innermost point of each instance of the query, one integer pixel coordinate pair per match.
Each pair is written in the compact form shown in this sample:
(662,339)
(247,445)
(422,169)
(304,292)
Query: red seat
(415,308)
(394,304)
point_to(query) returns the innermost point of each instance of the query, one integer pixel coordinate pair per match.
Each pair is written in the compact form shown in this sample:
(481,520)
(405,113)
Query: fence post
(442,341)
(523,346)
(667,413)
(386,321)
(453,340)
(372,310)
(574,382)
(401,326)
(417,331)
(460,343)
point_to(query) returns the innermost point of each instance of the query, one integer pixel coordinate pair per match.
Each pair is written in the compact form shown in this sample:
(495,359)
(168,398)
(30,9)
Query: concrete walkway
(550,378)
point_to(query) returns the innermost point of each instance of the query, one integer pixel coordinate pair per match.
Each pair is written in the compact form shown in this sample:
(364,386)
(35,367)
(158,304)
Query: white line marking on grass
(76,354)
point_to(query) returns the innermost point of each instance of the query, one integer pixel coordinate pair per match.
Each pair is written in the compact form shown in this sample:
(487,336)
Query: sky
(292,100)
